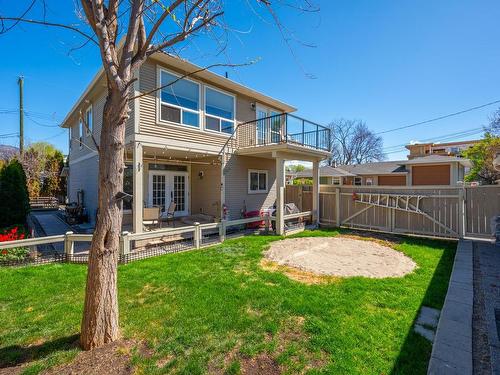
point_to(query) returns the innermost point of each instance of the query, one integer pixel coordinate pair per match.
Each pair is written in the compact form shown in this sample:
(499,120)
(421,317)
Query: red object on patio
(255,224)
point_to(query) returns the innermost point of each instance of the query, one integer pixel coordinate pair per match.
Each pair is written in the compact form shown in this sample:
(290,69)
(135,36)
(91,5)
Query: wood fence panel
(438,213)
(482,203)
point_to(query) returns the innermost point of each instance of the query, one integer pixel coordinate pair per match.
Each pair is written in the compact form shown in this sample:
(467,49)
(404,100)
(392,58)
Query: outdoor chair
(170,214)
(151,217)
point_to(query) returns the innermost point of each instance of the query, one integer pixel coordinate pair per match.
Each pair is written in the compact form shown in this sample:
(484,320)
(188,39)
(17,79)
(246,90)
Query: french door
(167,186)
(268,126)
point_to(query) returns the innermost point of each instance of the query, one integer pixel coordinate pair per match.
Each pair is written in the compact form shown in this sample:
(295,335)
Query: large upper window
(219,111)
(180,100)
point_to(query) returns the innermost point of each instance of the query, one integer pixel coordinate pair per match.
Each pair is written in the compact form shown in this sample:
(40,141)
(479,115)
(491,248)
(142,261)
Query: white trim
(205,114)
(82,158)
(258,171)
(178,145)
(159,102)
(80,133)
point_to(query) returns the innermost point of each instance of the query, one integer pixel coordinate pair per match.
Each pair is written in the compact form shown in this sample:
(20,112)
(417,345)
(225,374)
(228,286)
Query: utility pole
(21,115)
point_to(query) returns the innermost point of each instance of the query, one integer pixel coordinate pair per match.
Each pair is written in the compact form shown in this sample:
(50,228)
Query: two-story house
(211,145)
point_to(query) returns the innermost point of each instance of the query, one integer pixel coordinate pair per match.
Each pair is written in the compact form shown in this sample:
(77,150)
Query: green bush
(14,200)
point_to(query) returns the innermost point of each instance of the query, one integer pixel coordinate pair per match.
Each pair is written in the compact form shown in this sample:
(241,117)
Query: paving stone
(439,367)
(458,358)
(424,332)
(428,316)
(460,295)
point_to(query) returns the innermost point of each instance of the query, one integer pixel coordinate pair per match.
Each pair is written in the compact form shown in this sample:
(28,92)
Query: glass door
(178,192)
(167,186)
(261,114)
(158,185)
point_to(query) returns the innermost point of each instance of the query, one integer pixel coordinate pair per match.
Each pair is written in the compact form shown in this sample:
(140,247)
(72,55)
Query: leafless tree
(144,27)
(353,143)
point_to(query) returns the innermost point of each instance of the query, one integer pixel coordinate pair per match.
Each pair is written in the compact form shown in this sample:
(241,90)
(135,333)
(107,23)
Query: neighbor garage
(398,180)
(430,174)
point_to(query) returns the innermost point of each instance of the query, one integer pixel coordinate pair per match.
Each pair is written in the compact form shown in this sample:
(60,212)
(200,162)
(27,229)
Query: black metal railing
(278,129)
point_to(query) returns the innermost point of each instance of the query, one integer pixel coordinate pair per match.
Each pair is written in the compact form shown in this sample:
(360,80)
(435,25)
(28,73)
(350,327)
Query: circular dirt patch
(340,256)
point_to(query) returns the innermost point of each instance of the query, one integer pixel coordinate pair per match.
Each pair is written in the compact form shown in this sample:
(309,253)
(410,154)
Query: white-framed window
(323,180)
(220,108)
(80,134)
(89,121)
(257,181)
(179,100)
(369,181)
(357,181)
(336,180)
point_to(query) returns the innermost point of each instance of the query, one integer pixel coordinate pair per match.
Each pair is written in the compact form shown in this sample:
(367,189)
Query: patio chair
(170,214)
(151,217)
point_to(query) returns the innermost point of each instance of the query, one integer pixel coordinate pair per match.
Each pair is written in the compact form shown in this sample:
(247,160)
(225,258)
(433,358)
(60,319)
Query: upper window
(369,181)
(336,180)
(88,120)
(257,181)
(357,181)
(80,133)
(180,100)
(219,111)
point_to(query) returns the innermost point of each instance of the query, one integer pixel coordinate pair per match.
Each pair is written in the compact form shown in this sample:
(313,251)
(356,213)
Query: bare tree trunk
(100,317)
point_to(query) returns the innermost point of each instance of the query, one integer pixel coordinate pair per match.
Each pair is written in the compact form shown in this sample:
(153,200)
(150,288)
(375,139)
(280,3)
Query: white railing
(190,237)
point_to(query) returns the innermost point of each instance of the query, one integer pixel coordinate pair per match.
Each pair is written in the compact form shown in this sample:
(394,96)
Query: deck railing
(279,129)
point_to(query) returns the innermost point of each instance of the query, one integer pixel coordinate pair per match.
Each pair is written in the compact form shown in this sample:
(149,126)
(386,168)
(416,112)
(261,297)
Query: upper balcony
(290,131)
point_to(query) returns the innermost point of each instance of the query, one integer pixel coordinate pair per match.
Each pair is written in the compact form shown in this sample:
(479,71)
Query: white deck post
(69,245)
(197,235)
(138,181)
(315,202)
(280,196)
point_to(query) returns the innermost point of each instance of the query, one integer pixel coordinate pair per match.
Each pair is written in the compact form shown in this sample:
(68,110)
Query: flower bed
(16,253)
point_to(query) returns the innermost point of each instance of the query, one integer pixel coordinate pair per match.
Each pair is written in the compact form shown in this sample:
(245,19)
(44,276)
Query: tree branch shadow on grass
(416,347)
(15,355)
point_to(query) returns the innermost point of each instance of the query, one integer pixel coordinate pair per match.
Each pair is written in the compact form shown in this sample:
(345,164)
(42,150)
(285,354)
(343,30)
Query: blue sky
(389,63)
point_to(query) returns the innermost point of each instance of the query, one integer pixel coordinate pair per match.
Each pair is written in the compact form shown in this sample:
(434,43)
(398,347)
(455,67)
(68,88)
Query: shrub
(14,201)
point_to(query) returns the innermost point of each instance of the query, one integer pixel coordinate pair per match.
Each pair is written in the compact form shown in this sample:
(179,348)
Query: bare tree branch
(46,23)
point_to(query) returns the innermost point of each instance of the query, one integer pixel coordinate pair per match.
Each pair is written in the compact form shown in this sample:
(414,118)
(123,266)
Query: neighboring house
(431,170)
(443,149)
(213,146)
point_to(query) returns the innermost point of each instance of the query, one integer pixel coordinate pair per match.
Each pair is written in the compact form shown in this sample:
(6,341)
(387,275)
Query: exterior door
(268,129)
(165,186)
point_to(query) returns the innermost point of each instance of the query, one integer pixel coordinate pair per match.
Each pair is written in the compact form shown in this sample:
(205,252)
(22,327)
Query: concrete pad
(439,367)
(458,358)
(458,312)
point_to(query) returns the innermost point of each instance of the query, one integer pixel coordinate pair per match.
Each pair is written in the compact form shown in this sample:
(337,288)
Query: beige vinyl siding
(236,180)
(205,192)
(148,111)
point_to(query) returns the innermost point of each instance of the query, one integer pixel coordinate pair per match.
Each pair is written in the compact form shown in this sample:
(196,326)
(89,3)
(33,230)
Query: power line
(439,118)
(441,137)
(39,123)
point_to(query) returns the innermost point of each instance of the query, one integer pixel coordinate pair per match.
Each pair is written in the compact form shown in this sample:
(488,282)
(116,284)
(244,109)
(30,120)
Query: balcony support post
(280,196)
(315,193)
(138,181)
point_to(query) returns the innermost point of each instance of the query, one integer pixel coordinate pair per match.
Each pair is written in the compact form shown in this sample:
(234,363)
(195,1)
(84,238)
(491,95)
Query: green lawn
(214,309)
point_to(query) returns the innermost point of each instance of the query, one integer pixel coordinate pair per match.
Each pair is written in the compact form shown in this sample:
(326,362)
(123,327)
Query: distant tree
(494,126)
(353,143)
(42,164)
(14,201)
(481,155)
(295,168)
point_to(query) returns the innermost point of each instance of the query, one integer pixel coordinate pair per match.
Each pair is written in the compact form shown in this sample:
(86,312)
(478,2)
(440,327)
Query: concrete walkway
(452,348)
(51,224)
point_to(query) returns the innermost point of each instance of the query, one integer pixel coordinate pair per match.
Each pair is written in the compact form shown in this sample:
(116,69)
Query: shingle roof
(377,168)
(326,171)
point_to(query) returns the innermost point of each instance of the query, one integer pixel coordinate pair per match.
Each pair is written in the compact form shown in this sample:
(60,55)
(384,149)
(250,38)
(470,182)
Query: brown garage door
(399,180)
(431,175)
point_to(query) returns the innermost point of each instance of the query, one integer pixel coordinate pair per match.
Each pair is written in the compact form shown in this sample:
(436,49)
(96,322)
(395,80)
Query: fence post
(124,245)
(69,246)
(197,235)
(461,212)
(222,230)
(268,223)
(337,207)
